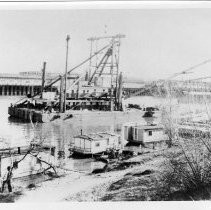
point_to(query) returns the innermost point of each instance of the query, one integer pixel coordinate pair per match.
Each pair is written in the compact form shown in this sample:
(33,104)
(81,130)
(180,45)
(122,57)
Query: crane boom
(106,37)
(56,79)
(104,58)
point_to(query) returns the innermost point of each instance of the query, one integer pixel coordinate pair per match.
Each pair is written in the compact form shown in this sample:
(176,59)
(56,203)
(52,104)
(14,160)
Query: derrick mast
(104,67)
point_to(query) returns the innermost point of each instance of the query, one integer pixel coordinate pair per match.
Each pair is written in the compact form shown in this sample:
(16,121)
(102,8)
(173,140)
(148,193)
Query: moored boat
(96,143)
(152,135)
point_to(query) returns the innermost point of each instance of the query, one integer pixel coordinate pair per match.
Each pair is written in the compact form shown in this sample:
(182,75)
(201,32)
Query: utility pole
(43,79)
(111,72)
(117,74)
(66,66)
(119,100)
(61,98)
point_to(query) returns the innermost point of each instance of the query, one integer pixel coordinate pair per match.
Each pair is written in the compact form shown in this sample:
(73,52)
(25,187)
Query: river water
(58,133)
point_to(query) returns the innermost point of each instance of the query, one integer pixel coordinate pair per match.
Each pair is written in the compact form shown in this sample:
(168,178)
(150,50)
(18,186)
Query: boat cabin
(96,143)
(147,135)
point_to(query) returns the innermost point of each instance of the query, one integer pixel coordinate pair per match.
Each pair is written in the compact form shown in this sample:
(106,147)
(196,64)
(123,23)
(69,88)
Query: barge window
(150,133)
(97,144)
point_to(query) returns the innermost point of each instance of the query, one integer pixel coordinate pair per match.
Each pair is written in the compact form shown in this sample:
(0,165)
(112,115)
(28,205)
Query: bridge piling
(3,90)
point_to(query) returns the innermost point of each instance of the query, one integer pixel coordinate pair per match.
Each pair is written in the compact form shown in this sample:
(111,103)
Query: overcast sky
(158,42)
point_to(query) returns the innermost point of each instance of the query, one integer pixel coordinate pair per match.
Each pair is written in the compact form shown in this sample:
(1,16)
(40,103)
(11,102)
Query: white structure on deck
(83,89)
(144,134)
(96,143)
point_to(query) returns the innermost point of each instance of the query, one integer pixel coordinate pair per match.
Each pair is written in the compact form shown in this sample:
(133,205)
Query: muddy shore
(131,179)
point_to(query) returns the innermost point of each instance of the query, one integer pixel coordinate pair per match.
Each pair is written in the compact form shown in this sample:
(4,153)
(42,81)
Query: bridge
(133,88)
(161,87)
(30,83)
(183,85)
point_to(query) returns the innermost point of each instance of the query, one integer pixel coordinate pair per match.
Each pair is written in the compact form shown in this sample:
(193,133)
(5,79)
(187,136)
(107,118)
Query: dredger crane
(109,60)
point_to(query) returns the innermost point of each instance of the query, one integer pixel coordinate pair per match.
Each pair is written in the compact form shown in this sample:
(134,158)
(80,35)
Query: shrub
(188,170)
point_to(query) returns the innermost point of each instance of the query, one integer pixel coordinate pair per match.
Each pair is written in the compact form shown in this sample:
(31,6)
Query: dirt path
(62,188)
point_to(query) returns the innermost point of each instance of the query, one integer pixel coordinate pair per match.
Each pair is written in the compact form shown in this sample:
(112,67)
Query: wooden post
(12,90)
(3,91)
(66,66)
(32,90)
(78,91)
(43,79)
(0,166)
(21,90)
(112,65)
(19,150)
(24,90)
(6,90)
(120,92)
(61,94)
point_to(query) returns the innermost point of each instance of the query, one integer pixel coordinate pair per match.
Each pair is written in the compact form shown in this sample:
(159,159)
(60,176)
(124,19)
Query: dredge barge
(97,90)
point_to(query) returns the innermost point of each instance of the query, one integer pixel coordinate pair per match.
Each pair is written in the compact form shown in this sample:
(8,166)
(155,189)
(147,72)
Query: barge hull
(26,114)
(30,114)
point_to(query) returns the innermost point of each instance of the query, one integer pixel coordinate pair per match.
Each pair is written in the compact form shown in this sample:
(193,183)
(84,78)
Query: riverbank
(108,186)
(139,178)
(126,183)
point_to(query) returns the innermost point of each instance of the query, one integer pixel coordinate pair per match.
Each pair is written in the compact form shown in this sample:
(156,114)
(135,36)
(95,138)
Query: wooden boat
(151,135)
(96,143)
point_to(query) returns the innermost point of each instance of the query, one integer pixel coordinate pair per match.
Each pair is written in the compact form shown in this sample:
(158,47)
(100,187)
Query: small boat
(148,114)
(95,143)
(150,111)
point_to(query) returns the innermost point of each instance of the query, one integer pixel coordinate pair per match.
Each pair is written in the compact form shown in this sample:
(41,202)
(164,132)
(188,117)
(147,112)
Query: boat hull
(79,154)
(25,114)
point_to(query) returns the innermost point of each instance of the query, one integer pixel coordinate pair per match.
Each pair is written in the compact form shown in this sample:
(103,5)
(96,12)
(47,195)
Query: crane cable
(189,69)
(71,70)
